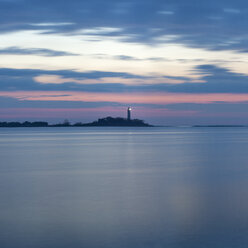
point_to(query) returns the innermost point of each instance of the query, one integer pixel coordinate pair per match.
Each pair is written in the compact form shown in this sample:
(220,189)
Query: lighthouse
(129,113)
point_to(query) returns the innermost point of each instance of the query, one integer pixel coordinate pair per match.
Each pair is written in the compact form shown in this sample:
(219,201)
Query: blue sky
(175,62)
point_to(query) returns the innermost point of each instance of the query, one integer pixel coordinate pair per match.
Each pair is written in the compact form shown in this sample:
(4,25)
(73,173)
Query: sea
(124,187)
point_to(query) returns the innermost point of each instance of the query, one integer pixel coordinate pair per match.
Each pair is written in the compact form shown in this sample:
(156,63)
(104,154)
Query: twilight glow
(174,62)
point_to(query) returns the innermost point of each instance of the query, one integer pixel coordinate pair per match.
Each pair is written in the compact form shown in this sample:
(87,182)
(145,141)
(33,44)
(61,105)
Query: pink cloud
(126,98)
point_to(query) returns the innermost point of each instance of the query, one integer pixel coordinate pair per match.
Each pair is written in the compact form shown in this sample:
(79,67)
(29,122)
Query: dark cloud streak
(34,51)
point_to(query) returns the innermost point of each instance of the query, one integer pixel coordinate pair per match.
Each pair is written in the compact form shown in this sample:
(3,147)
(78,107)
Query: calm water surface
(124,187)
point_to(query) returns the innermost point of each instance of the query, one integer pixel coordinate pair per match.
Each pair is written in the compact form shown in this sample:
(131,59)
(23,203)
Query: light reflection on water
(123,187)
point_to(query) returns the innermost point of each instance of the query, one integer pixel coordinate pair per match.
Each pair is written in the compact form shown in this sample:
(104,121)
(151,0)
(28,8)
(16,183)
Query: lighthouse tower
(129,113)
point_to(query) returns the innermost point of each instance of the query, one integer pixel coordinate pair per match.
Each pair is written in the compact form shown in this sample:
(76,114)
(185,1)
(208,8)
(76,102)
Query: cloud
(9,102)
(212,79)
(34,51)
(165,12)
(219,107)
(189,22)
(100,31)
(56,79)
(50,24)
(130,58)
(125,57)
(232,11)
(126,98)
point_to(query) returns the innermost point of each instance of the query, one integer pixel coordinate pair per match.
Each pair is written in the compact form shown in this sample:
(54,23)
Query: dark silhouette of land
(219,126)
(104,122)
(24,124)
(116,122)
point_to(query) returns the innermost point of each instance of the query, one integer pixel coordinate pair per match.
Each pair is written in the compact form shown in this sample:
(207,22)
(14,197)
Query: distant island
(219,126)
(24,124)
(104,122)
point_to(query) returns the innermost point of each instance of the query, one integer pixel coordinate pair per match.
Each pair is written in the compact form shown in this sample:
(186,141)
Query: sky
(175,62)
